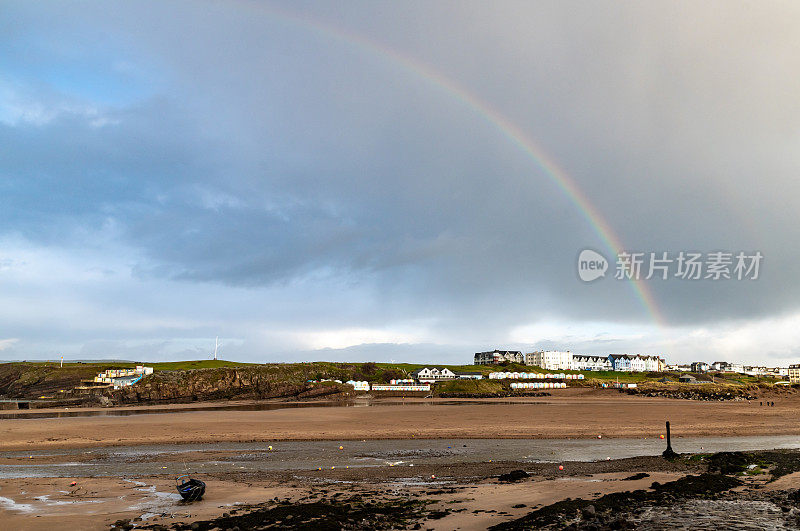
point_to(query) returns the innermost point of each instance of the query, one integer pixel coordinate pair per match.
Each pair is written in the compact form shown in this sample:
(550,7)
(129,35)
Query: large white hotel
(559,360)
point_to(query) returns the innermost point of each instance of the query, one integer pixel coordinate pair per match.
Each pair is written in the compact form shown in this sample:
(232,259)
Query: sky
(408,181)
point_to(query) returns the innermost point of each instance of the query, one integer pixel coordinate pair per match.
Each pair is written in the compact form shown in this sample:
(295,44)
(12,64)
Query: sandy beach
(463,496)
(469,502)
(434,463)
(577,413)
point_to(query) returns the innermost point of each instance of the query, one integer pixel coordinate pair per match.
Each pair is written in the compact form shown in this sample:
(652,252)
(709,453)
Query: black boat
(190,489)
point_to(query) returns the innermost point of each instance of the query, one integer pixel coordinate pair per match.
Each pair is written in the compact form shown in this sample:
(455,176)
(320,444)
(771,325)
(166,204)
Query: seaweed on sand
(353,513)
(608,508)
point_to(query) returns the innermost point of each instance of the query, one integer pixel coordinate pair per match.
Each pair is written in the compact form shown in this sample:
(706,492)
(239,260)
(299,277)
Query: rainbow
(512,132)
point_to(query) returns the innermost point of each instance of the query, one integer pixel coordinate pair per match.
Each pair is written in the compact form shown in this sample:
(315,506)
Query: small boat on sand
(190,489)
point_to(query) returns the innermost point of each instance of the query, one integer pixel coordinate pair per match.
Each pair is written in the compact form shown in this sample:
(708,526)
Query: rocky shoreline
(718,491)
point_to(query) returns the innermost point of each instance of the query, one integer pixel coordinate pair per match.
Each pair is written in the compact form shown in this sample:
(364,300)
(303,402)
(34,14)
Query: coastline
(584,414)
(455,496)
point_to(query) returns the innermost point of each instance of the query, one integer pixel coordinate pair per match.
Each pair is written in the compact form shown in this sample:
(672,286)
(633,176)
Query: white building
(653,364)
(495,357)
(794,373)
(590,363)
(755,371)
(636,363)
(725,366)
(551,360)
(359,386)
(433,375)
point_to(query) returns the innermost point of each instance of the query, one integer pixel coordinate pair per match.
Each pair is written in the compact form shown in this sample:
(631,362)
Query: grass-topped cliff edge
(220,379)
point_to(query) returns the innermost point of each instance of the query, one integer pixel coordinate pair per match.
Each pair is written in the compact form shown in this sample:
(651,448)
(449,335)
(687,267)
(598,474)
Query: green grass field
(373,372)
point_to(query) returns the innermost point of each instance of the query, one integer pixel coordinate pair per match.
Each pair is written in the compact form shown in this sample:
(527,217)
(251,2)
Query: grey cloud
(264,152)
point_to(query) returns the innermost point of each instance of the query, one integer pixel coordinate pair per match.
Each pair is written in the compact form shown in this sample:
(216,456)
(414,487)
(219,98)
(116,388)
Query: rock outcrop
(224,383)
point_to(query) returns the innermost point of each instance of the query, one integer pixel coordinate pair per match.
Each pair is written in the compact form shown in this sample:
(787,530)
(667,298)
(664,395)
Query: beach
(470,503)
(461,494)
(569,413)
(435,462)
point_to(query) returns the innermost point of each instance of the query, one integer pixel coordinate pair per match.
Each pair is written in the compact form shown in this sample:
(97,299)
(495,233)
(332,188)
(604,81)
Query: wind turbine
(216,347)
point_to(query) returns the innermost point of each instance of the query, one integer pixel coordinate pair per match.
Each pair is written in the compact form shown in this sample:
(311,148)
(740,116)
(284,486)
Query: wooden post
(669,453)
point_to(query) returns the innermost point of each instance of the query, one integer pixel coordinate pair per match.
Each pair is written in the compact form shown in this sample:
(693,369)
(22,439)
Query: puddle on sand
(45,500)
(156,502)
(168,459)
(11,505)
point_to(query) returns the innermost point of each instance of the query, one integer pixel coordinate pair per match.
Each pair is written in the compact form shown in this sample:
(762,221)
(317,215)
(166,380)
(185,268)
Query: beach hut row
(618,385)
(421,387)
(123,377)
(533,376)
(538,385)
(359,385)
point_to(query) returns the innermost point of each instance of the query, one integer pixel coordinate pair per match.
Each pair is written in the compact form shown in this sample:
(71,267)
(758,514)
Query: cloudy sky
(394,180)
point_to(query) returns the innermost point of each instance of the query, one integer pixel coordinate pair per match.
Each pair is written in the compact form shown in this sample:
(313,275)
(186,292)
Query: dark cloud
(232,145)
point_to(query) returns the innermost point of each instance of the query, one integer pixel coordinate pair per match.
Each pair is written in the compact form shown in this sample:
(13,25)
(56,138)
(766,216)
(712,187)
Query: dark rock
(514,475)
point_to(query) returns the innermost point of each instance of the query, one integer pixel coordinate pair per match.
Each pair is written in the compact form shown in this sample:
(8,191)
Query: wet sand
(455,490)
(470,502)
(96,503)
(458,495)
(357,460)
(575,413)
(417,450)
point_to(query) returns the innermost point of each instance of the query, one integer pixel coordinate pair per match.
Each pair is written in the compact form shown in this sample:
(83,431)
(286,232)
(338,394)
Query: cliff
(190,381)
(32,380)
(224,383)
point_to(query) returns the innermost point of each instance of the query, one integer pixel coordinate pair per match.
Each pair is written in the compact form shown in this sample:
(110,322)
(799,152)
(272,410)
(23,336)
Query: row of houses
(421,380)
(533,376)
(404,385)
(404,388)
(120,377)
(724,366)
(433,374)
(358,385)
(558,360)
(538,385)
